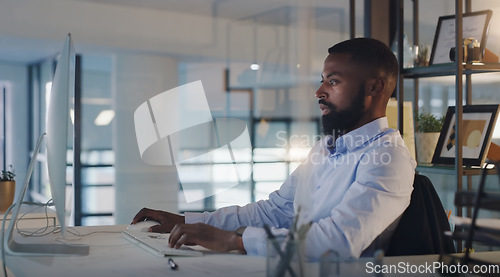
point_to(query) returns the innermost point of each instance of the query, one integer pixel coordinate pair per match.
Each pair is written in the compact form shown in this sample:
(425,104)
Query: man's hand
(167,220)
(205,235)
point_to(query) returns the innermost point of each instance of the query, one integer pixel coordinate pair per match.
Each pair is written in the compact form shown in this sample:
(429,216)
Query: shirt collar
(360,136)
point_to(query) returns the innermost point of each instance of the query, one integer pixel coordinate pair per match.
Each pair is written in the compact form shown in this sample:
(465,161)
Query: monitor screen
(58,130)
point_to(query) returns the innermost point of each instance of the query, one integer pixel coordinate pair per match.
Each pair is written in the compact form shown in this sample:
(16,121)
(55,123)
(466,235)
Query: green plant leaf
(8,175)
(428,123)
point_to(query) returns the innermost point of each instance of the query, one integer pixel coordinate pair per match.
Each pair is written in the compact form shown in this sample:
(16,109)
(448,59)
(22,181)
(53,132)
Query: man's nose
(320,93)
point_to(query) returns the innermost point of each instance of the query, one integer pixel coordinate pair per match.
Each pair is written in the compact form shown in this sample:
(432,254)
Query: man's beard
(345,120)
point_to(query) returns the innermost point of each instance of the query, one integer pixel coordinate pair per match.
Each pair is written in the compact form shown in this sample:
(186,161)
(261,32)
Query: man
(352,189)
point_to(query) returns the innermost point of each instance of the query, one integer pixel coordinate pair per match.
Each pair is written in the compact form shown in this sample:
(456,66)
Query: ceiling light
(104,117)
(254,66)
(72,116)
(48,87)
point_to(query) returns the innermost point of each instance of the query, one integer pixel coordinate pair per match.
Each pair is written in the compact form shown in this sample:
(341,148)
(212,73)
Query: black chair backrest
(421,228)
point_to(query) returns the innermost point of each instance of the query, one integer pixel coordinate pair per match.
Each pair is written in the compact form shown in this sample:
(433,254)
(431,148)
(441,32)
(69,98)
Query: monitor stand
(15,248)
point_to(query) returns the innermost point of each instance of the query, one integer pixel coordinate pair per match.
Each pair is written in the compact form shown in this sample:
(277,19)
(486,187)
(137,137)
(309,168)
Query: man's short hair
(373,54)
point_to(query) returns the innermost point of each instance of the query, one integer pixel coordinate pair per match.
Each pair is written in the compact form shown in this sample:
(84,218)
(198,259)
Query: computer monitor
(58,118)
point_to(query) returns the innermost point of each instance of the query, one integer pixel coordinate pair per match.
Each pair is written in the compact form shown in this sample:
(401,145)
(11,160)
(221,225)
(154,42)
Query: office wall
(136,78)
(15,78)
(110,27)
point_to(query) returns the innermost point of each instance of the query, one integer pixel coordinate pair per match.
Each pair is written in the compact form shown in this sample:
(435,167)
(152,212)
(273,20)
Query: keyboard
(157,244)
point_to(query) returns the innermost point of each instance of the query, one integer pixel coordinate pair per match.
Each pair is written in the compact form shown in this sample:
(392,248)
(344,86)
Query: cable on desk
(4,262)
(43,231)
(79,236)
(23,233)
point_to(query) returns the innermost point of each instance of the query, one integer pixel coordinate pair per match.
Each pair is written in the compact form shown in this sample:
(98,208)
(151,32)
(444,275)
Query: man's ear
(376,86)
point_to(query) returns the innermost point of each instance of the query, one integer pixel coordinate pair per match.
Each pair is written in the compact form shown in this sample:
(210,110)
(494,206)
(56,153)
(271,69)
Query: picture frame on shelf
(478,123)
(475,25)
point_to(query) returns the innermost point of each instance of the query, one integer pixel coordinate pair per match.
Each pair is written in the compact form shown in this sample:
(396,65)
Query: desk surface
(113,255)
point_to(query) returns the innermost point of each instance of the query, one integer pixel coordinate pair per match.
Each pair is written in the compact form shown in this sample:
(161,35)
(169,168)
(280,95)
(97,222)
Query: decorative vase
(426,144)
(7,191)
(285,257)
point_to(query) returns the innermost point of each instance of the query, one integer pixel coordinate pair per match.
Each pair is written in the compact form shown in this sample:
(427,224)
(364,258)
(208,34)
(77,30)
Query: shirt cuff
(254,241)
(193,218)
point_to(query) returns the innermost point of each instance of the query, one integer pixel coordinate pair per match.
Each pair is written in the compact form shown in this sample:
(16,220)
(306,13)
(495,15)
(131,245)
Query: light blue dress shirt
(351,192)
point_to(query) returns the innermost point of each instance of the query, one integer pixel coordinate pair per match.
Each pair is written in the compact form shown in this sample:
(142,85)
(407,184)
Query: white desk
(112,255)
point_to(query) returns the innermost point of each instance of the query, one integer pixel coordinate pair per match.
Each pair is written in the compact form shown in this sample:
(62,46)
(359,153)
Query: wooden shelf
(450,169)
(449,69)
(489,200)
(484,237)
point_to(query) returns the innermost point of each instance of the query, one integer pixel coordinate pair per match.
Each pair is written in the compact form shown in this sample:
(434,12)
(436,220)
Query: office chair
(421,228)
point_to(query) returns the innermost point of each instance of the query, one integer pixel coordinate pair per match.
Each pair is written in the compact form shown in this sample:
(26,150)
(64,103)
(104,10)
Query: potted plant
(7,189)
(427,135)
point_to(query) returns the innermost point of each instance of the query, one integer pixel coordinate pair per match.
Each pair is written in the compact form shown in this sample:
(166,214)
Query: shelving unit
(474,230)
(457,69)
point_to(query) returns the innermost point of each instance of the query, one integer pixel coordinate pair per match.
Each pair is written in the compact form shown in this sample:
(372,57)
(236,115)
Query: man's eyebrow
(335,73)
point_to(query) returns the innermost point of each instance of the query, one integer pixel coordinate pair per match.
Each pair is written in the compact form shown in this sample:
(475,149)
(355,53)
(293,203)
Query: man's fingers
(182,234)
(139,216)
(174,236)
(182,240)
(157,229)
(199,234)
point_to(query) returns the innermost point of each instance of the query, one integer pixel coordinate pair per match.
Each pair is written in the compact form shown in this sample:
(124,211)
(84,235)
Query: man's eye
(332,82)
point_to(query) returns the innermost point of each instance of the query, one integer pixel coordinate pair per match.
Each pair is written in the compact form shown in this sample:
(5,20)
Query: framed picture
(475,25)
(478,124)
